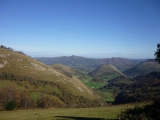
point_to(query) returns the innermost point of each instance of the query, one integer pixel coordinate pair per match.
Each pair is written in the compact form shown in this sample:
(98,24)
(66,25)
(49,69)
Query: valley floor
(100,113)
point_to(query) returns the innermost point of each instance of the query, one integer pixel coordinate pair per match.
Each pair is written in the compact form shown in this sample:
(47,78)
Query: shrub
(148,112)
(11,105)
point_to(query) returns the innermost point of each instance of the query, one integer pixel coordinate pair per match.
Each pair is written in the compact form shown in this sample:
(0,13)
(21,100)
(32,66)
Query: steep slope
(105,70)
(65,70)
(143,68)
(36,76)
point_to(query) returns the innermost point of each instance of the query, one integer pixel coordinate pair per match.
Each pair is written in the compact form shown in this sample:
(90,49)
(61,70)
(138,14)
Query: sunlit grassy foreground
(109,112)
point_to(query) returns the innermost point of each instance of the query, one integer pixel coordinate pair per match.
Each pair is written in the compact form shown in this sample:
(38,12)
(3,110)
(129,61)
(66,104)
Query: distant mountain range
(89,63)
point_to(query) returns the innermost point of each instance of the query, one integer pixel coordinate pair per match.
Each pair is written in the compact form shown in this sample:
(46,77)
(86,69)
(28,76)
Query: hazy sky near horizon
(89,28)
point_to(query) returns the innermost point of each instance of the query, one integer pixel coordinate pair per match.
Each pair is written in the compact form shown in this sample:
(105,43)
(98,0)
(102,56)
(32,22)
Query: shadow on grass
(78,118)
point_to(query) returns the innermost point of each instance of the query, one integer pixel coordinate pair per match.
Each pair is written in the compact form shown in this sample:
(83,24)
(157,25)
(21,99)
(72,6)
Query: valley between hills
(110,77)
(74,81)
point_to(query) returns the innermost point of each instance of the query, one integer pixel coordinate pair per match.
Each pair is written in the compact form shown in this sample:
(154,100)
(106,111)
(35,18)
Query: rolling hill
(27,73)
(106,70)
(143,68)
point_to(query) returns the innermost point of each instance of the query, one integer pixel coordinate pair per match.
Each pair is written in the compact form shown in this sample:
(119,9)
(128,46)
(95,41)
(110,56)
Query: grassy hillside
(143,68)
(36,77)
(106,70)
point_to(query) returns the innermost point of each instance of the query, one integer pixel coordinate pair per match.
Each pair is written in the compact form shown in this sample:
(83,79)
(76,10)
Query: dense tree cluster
(157,53)
(11,98)
(9,95)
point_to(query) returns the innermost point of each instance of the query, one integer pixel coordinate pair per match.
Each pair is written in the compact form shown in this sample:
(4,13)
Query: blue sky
(89,28)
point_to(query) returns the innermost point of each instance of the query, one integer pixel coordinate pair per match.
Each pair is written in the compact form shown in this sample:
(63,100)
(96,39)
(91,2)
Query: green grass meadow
(109,112)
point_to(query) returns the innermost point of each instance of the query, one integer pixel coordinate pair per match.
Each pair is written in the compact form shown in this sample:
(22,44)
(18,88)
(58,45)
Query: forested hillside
(144,88)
